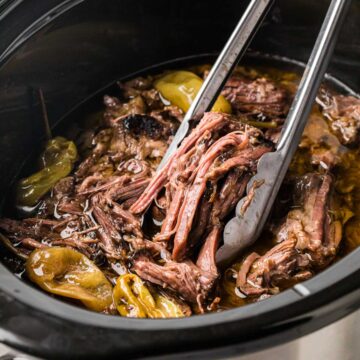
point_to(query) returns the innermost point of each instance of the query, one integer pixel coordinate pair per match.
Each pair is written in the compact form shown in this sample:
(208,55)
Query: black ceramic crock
(71,49)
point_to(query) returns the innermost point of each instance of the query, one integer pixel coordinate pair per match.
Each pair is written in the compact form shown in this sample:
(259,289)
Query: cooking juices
(111,234)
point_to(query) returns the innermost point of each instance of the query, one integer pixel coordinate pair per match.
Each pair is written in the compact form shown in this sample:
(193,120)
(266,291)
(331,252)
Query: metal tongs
(243,229)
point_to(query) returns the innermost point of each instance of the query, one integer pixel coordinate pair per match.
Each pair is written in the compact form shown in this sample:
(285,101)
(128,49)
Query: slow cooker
(74,48)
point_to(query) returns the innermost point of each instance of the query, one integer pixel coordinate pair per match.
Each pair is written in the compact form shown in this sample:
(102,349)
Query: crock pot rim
(48,16)
(336,274)
(19,290)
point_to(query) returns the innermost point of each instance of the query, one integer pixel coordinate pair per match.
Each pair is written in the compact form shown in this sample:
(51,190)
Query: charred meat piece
(131,136)
(139,98)
(126,146)
(140,125)
(343,113)
(116,109)
(307,242)
(170,115)
(260,96)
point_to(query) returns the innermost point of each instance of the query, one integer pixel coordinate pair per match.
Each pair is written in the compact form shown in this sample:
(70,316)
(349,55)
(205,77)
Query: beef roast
(307,241)
(260,96)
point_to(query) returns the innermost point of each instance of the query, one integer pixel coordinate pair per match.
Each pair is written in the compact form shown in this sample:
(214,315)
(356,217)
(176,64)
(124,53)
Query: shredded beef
(190,281)
(202,183)
(101,209)
(323,146)
(307,241)
(343,113)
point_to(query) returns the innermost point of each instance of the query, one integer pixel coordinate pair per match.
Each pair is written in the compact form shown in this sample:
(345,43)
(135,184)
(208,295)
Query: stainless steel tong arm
(221,70)
(242,230)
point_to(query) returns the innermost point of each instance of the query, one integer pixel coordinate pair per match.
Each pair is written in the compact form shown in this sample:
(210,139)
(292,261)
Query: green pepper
(68,273)
(262,124)
(133,299)
(59,149)
(57,160)
(181,87)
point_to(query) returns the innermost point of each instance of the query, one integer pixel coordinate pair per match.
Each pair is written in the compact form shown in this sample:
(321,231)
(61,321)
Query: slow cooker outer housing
(70,49)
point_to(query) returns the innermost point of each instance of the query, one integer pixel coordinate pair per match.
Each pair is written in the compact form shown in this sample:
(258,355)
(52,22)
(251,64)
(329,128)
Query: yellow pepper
(58,160)
(166,307)
(181,87)
(68,273)
(133,299)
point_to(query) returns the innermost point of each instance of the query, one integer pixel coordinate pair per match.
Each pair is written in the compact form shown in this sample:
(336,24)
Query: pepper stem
(45,115)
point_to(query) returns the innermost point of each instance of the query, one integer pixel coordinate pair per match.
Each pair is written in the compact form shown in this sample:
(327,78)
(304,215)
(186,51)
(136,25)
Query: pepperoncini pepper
(68,273)
(133,299)
(57,161)
(181,87)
